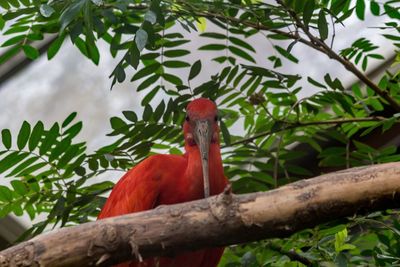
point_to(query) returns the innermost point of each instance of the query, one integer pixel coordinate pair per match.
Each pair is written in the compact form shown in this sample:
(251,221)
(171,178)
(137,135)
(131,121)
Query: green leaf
(322,25)
(159,111)
(120,73)
(58,208)
(141,37)
(201,23)
(16,29)
(148,82)
(19,187)
(176,64)
(117,123)
(70,13)
(94,53)
(5,194)
(9,54)
(335,84)
(364,63)
(14,3)
(2,23)
(241,43)
(172,79)
(69,119)
(213,35)
(36,135)
(93,164)
(392,12)
(363,147)
(286,54)
(308,11)
(357,91)
(150,56)
(147,113)
(46,10)
(146,100)
(360,9)
(23,135)
(4,4)
(175,43)
(81,46)
(150,16)
(376,56)
(176,53)
(6,138)
(81,171)
(239,52)
(213,47)
(30,52)
(21,167)
(71,153)
(49,139)
(60,148)
(55,46)
(277,36)
(11,160)
(133,57)
(146,71)
(375,9)
(130,115)
(314,82)
(225,133)
(392,37)
(195,70)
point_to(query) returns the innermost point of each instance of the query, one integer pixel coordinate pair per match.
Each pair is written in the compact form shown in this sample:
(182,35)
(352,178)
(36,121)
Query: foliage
(52,174)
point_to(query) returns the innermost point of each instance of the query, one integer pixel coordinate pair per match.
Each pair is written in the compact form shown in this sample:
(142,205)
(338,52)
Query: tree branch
(293,125)
(217,221)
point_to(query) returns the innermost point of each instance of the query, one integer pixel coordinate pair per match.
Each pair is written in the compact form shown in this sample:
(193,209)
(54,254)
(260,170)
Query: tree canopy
(285,137)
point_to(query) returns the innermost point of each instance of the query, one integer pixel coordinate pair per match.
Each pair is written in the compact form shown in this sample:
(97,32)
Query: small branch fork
(217,221)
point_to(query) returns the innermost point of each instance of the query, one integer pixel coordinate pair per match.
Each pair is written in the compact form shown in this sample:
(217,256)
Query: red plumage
(170,179)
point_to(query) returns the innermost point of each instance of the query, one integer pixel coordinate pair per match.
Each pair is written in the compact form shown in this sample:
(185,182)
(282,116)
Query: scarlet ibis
(168,179)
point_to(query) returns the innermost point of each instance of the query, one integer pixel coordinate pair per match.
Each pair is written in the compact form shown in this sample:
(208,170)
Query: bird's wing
(136,191)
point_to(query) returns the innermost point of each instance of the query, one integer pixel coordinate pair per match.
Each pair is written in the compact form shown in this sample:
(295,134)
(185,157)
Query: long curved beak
(202,137)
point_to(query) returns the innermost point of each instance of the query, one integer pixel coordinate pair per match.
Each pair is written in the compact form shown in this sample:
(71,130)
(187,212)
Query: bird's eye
(187,118)
(216,118)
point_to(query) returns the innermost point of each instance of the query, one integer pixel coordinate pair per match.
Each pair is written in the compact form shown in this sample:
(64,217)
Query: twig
(293,255)
(308,123)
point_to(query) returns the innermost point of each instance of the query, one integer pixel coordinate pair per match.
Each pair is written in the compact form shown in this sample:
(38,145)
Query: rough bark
(217,221)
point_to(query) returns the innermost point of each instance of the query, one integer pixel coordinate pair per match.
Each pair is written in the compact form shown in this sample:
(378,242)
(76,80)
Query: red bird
(169,179)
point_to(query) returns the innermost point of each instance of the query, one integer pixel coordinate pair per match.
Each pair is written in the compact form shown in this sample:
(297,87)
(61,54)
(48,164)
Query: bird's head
(201,129)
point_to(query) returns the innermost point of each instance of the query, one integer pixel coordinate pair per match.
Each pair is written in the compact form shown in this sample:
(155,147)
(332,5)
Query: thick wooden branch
(217,221)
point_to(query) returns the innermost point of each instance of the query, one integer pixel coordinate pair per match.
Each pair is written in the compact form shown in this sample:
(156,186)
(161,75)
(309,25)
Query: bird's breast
(185,183)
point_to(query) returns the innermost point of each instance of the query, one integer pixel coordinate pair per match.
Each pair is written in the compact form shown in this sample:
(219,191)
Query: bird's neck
(194,168)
